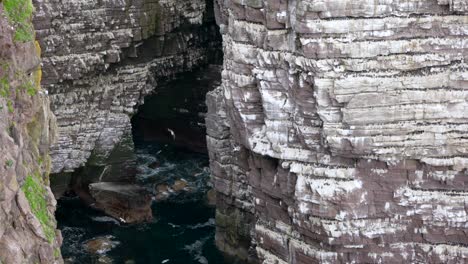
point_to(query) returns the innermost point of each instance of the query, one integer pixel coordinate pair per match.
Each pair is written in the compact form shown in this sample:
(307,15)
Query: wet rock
(162,192)
(162,196)
(162,188)
(128,203)
(69,260)
(104,260)
(211,197)
(179,185)
(100,245)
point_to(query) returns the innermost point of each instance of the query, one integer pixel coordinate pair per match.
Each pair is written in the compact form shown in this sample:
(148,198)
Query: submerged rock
(162,192)
(129,203)
(100,245)
(104,260)
(162,188)
(179,185)
(162,196)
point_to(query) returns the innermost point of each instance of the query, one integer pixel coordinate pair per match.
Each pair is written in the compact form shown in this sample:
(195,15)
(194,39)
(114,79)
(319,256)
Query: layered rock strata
(339,132)
(27,126)
(102,57)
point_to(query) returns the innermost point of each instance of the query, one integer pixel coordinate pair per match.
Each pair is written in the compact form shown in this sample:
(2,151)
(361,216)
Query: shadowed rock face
(102,57)
(175,113)
(100,60)
(126,202)
(27,126)
(339,131)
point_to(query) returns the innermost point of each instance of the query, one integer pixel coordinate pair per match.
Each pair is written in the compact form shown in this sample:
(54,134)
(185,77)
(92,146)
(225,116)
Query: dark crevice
(163,157)
(175,112)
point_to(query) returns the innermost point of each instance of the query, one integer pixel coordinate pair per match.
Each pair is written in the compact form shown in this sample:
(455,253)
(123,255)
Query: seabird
(172,133)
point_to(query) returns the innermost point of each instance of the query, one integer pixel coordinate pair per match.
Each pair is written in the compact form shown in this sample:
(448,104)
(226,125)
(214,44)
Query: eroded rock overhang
(101,58)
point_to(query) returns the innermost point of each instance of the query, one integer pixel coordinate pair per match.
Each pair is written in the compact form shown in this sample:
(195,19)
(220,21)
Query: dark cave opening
(159,171)
(171,164)
(187,54)
(175,112)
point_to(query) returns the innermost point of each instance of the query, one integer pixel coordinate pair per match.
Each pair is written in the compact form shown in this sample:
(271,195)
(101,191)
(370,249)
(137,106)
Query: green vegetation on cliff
(19,12)
(33,188)
(5,93)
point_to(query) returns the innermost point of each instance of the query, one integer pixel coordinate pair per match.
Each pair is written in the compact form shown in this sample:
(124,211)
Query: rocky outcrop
(27,126)
(102,57)
(339,132)
(129,203)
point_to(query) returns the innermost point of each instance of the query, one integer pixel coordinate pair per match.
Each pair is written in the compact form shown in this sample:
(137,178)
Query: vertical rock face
(102,57)
(27,127)
(339,131)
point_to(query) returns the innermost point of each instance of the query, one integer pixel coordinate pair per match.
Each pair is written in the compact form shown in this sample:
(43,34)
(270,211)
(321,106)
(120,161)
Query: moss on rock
(36,194)
(19,12)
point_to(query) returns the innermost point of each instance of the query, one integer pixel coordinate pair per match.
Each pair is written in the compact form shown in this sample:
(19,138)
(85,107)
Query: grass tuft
(30,88)
(19,12)
(10,107)
(4,87)
(9,163)
(35,194)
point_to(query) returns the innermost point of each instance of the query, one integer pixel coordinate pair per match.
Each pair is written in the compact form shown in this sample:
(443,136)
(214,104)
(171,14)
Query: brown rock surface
(179,185)
(339,132)
(162,188)
(129,203)
(162,192)
(100,245)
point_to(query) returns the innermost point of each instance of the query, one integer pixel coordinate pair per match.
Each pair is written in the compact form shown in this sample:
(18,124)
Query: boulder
(162,192)
(179,185)
(100,245)
(160,188)
(129,203)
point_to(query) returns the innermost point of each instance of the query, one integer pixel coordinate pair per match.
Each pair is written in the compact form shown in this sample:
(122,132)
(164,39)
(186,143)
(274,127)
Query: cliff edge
(339,134)
(27,127)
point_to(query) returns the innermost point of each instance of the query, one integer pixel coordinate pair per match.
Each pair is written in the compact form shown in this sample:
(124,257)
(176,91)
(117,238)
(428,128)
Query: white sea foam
(105,219)
(173,225)
(196,250)
(210,222)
